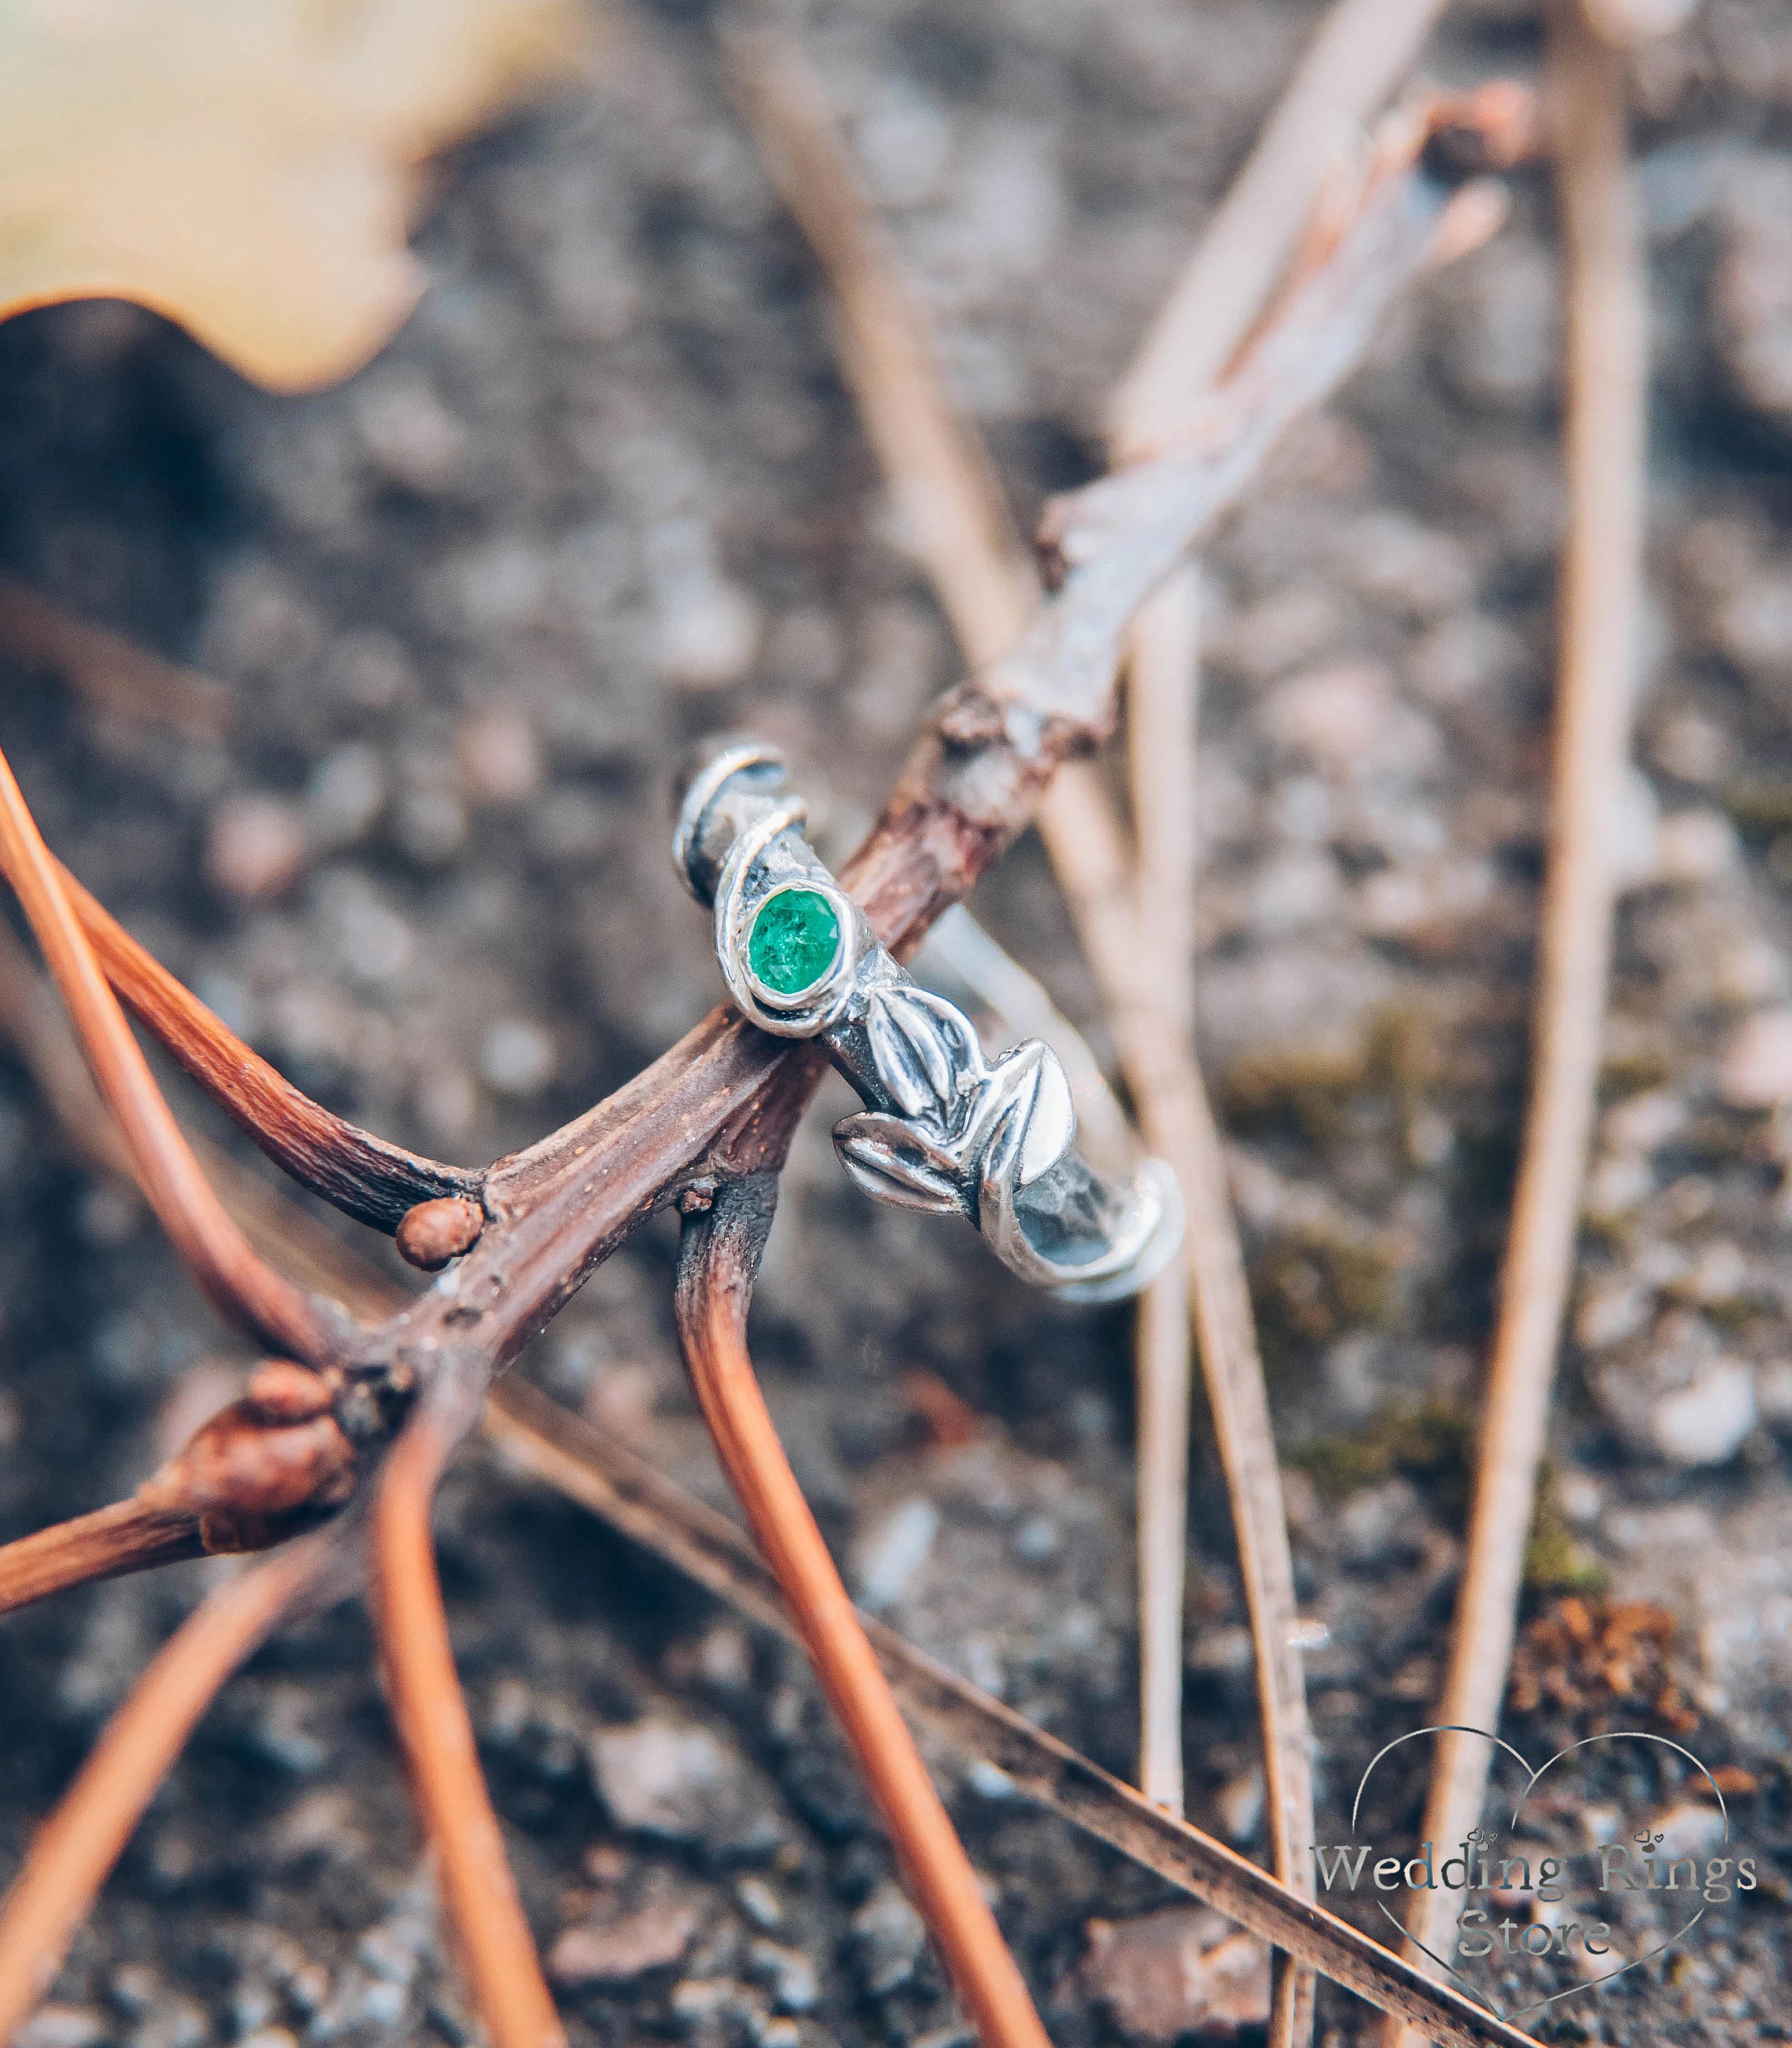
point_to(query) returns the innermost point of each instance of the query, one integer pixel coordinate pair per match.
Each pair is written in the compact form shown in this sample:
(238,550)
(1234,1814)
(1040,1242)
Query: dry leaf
(246,167)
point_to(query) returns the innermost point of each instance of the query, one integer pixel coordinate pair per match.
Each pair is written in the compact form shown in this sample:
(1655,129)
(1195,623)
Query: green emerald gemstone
(795,938)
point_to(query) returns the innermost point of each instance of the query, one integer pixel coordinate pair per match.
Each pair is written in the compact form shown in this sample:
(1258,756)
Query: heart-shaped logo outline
(1614,1735)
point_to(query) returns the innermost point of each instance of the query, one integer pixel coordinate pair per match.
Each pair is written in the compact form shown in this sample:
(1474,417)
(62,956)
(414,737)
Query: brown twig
(233,1279)
(113,673)
(260,1471)
(368,1179)
(559,1450)
(131,1536)
(1359,54)
(718,1261)
(77,1846)
(478,1890)
(1601,590)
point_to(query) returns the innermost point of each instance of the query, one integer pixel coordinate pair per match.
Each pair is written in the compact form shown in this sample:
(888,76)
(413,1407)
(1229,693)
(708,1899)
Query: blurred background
(604,493)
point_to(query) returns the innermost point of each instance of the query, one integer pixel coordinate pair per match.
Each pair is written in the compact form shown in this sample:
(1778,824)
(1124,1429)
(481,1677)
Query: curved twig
(366,1178)
(1358,54)
(719,1260)
(236,1281)
(478,1890)
(77,1846)
(1601,589)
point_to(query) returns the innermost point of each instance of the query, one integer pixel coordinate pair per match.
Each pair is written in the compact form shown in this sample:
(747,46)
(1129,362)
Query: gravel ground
(605,494)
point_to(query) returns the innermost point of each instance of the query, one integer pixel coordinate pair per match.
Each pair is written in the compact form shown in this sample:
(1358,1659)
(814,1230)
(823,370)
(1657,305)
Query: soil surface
(606,494)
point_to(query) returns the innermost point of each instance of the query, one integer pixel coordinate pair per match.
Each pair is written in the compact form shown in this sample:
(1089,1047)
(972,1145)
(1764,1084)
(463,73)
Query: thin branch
(719,1260)
(1164,654)
(288,1236)
(76,1847)
(233,1279)
(1361,50)
(1601,592)
(1359,54)
(374,1182)
(130,1536)
(262,1470)
(478,1889)
(557,1448)
(112,672)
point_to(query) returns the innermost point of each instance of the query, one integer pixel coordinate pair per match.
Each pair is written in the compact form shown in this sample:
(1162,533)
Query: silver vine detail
(966,1128)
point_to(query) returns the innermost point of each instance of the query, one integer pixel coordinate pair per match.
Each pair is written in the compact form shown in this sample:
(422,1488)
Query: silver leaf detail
(1027,1105)
(891,1162)
(927,1054)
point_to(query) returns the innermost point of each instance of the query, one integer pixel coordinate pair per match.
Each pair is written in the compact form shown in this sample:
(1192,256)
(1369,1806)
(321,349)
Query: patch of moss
(1340,1466)
(1427,1440)
(1315,1284)
(1309,1091)
(1630,1069)
(1402,1054)
(1759,805)
(1554,1562)
(1306,1091)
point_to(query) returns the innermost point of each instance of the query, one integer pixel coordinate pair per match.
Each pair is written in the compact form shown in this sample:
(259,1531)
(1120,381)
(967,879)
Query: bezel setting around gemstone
(772,993)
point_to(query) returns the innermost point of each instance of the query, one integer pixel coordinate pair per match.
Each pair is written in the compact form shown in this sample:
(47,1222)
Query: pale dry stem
(479,1888)
(1601,592)
(77,1846)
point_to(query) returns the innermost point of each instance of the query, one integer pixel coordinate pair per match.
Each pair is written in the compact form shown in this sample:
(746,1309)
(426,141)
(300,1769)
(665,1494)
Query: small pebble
(788,1975)
(65,2026)
(255,847)
(681,1782)
(891,1556)
(653,1938)
(498,756)
(888,1937)
(1704,1424)
(517,1058)
(1183,1970)
(1755,1071)
(759,1903)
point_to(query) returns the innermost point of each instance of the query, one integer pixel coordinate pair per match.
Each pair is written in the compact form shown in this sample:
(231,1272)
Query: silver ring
(944,1130)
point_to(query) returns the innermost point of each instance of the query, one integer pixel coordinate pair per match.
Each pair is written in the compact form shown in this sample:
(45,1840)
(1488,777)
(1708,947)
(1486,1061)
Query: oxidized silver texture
(943,1129)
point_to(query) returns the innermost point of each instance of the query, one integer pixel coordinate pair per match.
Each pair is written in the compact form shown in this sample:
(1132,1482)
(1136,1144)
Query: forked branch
(715,1109)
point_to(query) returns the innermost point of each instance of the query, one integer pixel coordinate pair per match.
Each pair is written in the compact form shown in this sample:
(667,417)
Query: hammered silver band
(944,1130)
